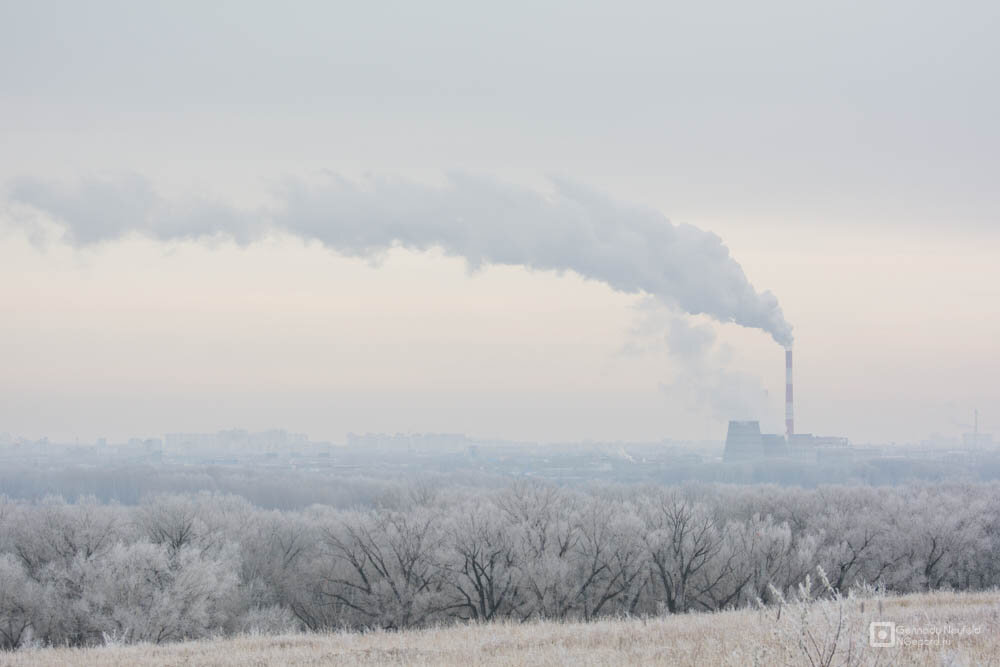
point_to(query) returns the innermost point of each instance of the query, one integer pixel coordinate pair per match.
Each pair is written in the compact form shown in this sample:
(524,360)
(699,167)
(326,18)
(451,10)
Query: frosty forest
(184,566)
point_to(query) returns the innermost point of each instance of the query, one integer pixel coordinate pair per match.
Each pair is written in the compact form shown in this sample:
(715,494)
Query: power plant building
(745,442)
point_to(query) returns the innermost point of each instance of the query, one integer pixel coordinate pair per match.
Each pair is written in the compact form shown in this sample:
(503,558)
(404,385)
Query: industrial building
(745,442)
(977,440)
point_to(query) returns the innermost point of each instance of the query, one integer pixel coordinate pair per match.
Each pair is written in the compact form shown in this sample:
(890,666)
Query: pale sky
(846,153)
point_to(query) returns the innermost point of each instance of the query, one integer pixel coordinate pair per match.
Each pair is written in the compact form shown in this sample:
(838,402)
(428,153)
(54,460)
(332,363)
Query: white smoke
(702,378)
(571,228)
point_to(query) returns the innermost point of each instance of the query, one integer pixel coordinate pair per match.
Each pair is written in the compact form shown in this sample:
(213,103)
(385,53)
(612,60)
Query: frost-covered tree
(21,603)
(682,541)
(382,568)
(481,564)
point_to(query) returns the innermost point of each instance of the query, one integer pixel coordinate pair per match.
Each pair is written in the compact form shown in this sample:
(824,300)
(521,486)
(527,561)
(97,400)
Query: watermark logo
(882,634)
(886,634)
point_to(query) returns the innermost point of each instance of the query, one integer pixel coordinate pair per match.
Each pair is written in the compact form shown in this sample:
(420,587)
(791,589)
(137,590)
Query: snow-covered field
(930,629)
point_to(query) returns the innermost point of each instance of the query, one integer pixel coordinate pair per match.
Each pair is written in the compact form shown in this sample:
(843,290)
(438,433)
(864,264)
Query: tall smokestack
(789,406)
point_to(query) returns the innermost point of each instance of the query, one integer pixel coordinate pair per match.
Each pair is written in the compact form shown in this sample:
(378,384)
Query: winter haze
(455,333)
(438,217)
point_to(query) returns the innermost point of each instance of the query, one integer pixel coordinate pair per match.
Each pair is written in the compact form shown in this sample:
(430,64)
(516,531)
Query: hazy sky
(846,153)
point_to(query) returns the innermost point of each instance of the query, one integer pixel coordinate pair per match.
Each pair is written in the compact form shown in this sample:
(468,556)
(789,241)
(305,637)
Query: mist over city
(438,334)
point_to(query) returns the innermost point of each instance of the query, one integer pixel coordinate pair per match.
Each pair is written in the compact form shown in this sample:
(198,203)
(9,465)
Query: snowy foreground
(930,629)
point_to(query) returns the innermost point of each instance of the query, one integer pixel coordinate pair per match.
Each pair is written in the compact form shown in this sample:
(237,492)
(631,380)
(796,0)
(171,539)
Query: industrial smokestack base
(789,405)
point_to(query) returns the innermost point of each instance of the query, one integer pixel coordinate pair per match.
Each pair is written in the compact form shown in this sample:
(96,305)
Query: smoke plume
(569,228)
(702,378)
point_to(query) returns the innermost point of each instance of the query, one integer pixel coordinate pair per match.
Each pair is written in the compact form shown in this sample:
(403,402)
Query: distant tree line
(179,566)
(272,488)
(287,488)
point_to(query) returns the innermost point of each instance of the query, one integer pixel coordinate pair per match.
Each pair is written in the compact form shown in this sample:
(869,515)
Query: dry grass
(745,637)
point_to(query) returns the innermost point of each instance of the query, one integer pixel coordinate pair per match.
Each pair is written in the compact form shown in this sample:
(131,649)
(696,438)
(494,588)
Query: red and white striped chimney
(789,407)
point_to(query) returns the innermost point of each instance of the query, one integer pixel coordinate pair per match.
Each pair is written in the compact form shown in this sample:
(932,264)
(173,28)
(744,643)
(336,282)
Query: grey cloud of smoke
(700,379)
(571,228)
(101,210)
